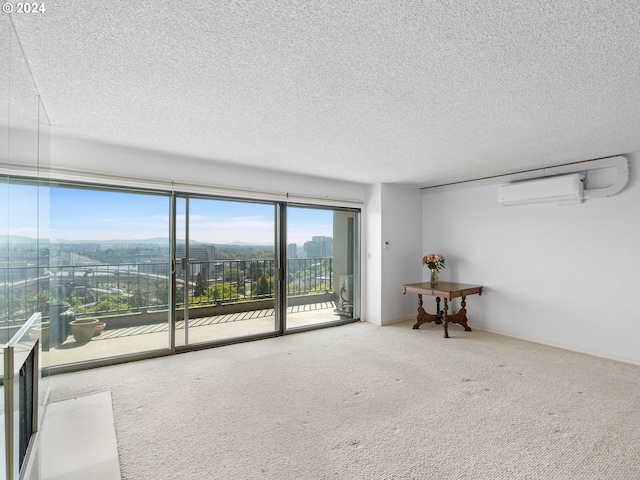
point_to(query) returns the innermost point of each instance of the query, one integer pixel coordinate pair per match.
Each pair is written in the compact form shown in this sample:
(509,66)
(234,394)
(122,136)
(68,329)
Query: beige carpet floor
(366,402)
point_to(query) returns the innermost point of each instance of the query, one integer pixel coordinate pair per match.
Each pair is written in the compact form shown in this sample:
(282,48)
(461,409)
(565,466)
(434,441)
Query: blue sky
(20,218)
(94,215)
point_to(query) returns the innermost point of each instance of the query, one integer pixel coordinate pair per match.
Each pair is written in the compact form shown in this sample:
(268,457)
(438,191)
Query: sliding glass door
(225,270)
(109,269)
(322,258)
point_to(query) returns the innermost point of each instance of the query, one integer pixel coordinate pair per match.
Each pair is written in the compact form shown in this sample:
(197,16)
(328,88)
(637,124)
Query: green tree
(162,294)
(219,293)
(256,271)
(109,303)
(201,285)
(262,287)
(215,292)
(139,297)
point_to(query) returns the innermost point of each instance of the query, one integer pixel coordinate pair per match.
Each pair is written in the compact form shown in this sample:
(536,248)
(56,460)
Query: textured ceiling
(412,92)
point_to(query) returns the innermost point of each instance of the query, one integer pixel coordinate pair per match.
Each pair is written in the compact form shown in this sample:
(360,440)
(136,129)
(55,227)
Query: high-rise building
(326,245)
(313,249)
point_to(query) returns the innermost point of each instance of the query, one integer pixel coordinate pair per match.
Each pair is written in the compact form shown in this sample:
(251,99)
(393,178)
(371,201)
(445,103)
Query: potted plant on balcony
(83,329)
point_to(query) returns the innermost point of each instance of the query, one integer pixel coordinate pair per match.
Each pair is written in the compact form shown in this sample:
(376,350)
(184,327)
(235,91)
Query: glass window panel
(19,297)
(109,267)
(321,260)
(230,271)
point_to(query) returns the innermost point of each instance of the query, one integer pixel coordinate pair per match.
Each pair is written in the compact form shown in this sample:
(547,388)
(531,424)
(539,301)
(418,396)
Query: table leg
(445,319)
(423,316)
(463,312)
(461,317)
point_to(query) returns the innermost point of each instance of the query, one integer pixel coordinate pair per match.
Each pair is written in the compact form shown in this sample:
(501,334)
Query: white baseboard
(558,345)
(398,320)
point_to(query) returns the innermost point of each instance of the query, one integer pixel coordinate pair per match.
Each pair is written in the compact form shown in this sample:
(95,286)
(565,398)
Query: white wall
(372,263)
(401,261)
(393,214)
(560,275)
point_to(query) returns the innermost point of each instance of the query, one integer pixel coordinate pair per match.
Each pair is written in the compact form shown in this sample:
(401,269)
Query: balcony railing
(98,290)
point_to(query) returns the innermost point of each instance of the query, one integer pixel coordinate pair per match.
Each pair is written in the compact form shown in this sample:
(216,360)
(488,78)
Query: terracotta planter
(99,328)
(83,329)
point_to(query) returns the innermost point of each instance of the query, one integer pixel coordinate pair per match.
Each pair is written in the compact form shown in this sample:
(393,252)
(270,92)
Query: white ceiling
(412,92)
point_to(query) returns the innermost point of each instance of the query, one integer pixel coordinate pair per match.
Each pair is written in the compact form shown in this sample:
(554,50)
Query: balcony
(226,300)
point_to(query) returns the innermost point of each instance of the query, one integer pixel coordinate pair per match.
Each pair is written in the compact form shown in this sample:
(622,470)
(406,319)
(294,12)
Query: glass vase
(434,276)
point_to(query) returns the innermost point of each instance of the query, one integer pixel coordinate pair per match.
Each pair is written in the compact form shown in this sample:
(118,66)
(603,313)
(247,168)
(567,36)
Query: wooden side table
(448,291)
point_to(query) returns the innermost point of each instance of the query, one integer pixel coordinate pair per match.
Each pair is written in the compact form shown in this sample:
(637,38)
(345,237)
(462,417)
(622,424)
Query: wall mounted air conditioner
(561,189)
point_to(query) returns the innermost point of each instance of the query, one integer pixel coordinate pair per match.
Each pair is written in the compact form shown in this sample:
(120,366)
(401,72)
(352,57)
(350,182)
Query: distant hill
(17,239)
(117,242)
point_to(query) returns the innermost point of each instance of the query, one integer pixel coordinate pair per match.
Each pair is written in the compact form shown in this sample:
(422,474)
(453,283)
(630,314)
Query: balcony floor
(145,338)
